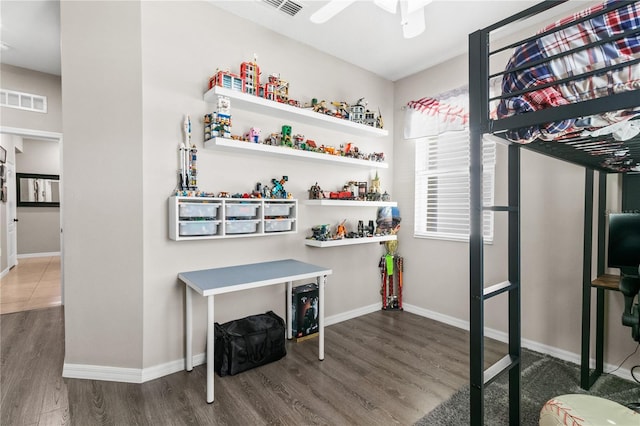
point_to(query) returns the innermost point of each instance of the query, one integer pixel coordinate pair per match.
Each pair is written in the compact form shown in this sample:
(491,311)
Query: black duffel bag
(249,342)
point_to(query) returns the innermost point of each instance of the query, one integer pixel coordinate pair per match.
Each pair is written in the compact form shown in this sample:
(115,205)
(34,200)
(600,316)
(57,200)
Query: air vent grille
(287,6)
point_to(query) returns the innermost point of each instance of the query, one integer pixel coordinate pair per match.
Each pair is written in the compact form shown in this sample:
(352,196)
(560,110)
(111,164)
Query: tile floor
(32,284)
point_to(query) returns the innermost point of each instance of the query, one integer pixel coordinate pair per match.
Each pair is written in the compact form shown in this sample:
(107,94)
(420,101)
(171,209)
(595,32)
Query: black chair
(630,286)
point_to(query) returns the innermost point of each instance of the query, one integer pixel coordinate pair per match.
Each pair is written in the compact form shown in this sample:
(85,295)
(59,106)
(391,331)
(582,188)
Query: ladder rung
(496,289)
(504,364)
(501,208)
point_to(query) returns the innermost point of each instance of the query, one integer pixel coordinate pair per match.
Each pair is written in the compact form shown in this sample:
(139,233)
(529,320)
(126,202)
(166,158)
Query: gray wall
(124,305)
(131,313)
(102,157)
(38,227)
(552,191)
(20,79)
(23,80)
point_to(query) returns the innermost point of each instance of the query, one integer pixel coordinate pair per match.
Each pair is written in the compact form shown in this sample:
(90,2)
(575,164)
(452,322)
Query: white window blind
(442,187)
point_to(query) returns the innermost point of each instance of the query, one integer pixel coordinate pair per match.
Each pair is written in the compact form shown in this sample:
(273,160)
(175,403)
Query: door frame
(54,137)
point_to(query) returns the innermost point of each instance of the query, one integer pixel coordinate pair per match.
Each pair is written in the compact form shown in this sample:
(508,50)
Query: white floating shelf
(291,152)
(288,112)
(349,203)
(350,241)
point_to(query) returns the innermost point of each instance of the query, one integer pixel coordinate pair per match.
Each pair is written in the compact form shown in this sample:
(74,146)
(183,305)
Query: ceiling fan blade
(388,5)
(413,5)
(330,10)
(412,23)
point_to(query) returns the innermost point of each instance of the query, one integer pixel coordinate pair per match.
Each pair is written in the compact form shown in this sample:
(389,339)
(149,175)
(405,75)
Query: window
(442,187)
(24,101)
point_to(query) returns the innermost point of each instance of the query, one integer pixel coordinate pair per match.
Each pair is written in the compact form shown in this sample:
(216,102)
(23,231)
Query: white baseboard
(5,272)
(344,316)
(47,254)
(526,343)
(136,375)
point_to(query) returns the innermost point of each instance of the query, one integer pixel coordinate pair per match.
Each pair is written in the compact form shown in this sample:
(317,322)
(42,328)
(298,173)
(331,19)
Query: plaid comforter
(592,30)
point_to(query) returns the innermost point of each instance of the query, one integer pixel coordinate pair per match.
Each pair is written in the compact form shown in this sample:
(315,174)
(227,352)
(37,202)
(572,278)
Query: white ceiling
(363,34)
(30,34)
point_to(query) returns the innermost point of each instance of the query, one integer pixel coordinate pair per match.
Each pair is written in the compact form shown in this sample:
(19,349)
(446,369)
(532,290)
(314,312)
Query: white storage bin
(242,209)
(277,209)
(277,225)
(198,227)
(241,226)
(193,210)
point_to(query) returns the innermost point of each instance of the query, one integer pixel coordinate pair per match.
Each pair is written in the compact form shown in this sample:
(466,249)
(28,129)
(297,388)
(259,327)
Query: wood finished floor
(385,368)
(33,283)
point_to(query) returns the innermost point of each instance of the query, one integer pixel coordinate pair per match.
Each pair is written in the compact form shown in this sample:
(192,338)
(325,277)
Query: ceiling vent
(285,6)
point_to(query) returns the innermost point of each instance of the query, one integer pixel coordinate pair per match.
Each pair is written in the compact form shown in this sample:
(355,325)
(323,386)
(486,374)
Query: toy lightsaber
(185,154)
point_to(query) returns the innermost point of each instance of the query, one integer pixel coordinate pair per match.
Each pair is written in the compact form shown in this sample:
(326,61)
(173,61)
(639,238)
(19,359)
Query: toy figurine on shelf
(342,110)
(278,190)
(315,192)
(390,263)
(253,135)
(341,230)
(188,159)
(320,233)
(286,136)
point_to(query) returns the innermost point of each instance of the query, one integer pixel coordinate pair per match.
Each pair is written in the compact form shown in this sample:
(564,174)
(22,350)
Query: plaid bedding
(592,30)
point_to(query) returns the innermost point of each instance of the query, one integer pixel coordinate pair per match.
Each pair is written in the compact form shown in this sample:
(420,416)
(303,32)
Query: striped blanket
(598,28)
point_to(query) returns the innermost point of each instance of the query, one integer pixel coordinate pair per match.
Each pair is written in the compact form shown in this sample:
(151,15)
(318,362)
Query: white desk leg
(210,349)
(321,282)
(289,313)
(189,328)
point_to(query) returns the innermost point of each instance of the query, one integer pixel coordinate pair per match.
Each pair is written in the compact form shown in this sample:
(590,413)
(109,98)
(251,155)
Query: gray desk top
(209,282)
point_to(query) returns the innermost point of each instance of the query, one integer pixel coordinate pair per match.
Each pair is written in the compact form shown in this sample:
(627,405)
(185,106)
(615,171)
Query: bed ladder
(479,294)
(510,363)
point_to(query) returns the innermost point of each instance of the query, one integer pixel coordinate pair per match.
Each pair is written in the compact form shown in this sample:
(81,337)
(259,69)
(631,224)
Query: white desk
(209,282)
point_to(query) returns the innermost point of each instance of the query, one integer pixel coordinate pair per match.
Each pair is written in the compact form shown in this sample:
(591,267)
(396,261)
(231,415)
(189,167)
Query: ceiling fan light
(388,5)
(329,10)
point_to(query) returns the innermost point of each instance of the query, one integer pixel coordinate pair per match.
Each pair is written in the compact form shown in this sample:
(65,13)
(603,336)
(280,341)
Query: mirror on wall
(37,190)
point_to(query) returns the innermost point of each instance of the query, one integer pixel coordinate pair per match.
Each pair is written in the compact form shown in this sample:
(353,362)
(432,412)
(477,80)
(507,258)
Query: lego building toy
(277,89)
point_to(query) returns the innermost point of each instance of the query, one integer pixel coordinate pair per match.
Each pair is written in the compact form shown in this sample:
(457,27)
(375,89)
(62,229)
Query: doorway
(34,278)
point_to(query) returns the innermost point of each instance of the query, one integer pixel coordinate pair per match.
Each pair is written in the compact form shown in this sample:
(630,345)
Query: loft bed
(571,92)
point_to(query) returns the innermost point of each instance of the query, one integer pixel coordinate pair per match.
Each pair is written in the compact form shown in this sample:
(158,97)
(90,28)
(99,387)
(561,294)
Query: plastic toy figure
(341,230)
(342,110)
(272,139)
(286,136)
(253,135)
(320,232)
(315,192)
(278,190)
(298,140)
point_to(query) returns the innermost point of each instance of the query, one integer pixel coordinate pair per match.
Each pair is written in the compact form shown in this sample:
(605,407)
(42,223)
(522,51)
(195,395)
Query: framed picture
(3,155)
(37,190)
